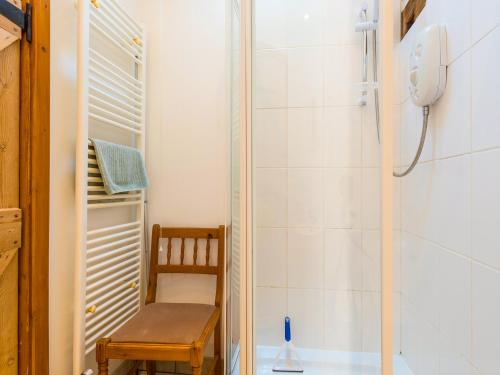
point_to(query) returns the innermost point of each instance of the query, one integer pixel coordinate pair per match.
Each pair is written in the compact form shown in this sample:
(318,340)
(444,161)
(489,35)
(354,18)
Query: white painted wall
(62,179)
(450,204)
(186,159)
(187,125)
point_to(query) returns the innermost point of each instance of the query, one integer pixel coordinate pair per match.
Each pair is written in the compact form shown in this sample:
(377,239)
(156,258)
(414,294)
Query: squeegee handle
(288,330)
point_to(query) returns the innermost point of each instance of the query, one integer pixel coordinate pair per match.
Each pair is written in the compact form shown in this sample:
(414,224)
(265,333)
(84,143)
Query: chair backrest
(202,241)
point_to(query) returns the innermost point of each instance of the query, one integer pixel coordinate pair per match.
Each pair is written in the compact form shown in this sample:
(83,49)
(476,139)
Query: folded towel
(122,168)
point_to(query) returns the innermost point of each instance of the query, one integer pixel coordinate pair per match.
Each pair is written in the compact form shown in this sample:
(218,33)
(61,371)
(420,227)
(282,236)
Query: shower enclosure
(316,187)
(308,170)
(378,275)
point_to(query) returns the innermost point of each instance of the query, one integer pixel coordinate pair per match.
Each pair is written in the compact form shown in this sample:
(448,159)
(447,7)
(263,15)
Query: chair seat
(166,323)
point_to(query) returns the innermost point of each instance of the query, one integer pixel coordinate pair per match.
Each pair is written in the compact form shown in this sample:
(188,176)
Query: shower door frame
(386,90)
(387,101)
(246,197)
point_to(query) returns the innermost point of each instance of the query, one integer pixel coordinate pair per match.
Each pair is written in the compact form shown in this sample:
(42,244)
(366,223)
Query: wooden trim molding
(34,195)
(409,15)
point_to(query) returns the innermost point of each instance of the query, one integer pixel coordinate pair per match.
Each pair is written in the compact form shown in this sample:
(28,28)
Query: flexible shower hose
(420,146)
(377,114)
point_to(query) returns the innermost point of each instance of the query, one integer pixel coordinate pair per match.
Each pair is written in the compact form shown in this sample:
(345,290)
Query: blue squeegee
(287,359)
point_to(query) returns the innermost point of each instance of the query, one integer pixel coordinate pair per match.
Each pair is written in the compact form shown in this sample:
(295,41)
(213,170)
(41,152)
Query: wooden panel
(6,259)
(409,15)
(9,198)
(8,318)
(10,236)
(10,229)
(9,127)
(9,215)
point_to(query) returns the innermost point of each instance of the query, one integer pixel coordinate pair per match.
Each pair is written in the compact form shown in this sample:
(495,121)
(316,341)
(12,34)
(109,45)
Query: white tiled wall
(450,252)
(317,179)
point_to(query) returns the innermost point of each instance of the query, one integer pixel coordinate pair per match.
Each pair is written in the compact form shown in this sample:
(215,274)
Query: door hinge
(18,17)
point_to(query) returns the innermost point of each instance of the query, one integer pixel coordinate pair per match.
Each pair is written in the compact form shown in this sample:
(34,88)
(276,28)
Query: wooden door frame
(34,194)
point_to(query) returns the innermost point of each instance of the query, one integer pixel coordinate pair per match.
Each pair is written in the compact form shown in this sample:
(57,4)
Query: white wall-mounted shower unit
(427,78)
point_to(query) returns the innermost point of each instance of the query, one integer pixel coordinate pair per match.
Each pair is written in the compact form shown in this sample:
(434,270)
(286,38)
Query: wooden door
(10,214)
(24,196)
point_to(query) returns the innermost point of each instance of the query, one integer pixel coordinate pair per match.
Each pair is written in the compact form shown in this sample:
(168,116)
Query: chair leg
(217,349)
(151,367)
(102,360)
(103,368)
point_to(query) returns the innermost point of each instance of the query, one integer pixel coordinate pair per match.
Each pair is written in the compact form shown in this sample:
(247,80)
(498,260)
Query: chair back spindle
(185,236)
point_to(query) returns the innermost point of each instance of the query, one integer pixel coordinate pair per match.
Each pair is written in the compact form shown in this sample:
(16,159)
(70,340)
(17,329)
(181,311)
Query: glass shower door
(316,190)
(234,227)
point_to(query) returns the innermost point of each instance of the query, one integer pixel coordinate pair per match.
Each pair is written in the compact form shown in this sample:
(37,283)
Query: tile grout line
(471,186)
(352,106)
(324,192)
(426,162)
(307,46)
(456,253)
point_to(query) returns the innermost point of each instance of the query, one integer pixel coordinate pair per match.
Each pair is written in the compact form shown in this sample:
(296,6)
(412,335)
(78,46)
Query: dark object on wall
(409,15)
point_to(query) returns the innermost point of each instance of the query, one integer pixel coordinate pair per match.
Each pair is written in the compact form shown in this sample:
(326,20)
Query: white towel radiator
(110,228)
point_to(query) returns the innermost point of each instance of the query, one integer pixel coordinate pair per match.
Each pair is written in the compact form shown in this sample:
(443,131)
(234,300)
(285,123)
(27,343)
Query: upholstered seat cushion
(166,323)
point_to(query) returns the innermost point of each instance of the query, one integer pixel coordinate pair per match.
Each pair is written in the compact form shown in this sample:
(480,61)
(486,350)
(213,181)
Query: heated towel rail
(110,228)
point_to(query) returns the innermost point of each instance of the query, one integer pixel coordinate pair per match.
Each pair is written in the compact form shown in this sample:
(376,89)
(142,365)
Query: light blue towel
(122,168)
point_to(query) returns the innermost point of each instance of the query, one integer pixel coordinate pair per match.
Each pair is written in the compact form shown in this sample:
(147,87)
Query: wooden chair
(172,331)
